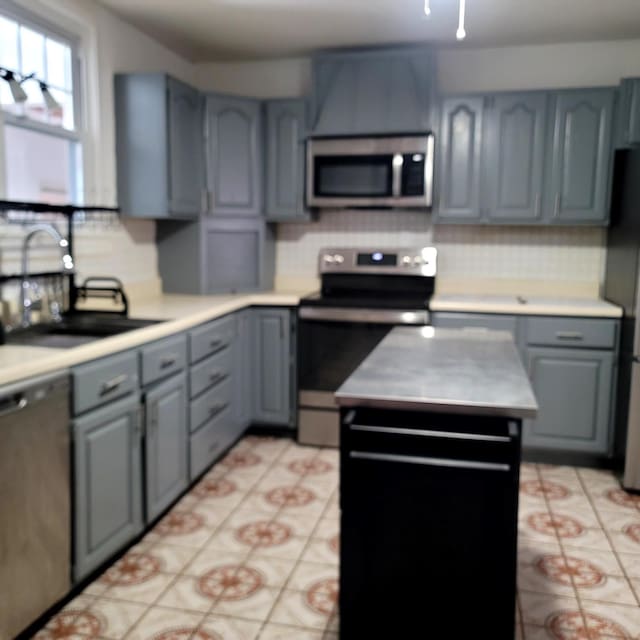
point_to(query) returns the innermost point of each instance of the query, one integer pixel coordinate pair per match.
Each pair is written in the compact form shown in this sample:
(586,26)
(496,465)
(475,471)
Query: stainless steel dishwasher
(35,514)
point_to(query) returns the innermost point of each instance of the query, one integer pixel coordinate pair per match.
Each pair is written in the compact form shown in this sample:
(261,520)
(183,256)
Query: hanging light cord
(461,33)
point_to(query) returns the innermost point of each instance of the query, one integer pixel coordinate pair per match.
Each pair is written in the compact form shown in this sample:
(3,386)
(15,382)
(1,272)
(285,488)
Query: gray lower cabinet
(286,127)
(580,158)
(107,482)
(234,148)
(243,388)
(573,388)
(459,164)
(272,365)
(166,444)
(159,146)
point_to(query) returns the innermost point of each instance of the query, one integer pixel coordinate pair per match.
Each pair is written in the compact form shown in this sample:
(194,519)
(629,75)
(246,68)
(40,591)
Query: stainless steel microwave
(370,172)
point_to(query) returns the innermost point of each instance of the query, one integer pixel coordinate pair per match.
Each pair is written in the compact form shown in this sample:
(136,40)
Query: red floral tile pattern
(133,568)
(571,625)
(544,489)
(72,624)
(564,526)
(211,488)
(334,544)
(623,499)
(264,534)
(230,583)
(186,633)
(322,597)
(241,459)
(180,523)
(633,532)
(290,496)
(309,466)
(565,570)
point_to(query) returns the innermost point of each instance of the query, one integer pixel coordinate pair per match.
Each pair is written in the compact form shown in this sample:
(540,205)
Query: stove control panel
(420,261)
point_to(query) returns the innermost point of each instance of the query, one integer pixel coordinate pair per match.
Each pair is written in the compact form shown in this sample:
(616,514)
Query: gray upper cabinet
(272,366)
(581,157)
(234,156)
(513,156)
(286,127)
(459,161)
(573,388)
(628,115)
(166,450)
(108,483)
(369,92)
(159,146)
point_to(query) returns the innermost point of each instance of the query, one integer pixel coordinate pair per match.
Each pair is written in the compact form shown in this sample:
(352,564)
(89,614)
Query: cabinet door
(271,366)
(108,483)
(238,255)
(628,113)
(581,157)
(460,147)
(513,156)
(185,149)
(286,128)
(167,473)
(573,389)
(242,377)
(234,156)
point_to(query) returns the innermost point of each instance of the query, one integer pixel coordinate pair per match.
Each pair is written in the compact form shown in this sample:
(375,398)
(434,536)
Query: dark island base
(429,525)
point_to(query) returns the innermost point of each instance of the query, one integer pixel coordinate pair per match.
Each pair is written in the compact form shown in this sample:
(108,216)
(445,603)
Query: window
(42,143)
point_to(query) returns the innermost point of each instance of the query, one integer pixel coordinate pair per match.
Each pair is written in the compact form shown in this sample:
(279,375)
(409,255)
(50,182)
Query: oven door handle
(372,316)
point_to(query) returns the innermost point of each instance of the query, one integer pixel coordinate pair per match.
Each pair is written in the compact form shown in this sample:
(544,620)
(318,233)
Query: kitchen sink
(76,330)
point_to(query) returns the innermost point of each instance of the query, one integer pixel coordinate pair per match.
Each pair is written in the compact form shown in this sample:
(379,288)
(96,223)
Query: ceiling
(208,30)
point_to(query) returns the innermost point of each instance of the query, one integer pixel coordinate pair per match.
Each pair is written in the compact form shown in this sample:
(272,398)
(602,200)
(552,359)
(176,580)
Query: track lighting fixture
(461,33)
(19,94)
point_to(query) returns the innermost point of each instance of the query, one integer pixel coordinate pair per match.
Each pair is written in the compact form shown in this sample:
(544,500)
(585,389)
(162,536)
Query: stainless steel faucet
(26,303)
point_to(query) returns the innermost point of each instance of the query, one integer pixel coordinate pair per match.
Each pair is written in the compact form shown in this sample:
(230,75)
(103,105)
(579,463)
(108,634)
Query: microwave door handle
(396,175)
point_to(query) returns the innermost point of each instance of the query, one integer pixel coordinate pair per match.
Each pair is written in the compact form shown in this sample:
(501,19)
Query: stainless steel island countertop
(445,370)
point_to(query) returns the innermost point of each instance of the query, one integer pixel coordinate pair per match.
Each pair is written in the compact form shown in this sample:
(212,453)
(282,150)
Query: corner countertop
(178,313)
(526,305)
(444,370)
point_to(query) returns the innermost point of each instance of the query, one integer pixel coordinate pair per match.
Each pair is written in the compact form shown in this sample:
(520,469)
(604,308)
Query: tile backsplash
(556,255)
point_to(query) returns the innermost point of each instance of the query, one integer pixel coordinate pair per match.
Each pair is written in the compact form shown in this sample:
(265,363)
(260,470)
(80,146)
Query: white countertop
(179,312)
(182,312)
(532,305)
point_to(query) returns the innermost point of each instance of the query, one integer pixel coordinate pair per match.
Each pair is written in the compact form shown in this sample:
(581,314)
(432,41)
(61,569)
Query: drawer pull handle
(569,335)
(214,344)
(167,362)
(217,408)
(428,433)
(431,462)
(112,385)
(216,376)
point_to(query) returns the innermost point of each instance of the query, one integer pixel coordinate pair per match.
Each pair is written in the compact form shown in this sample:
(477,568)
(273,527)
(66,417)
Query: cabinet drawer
(210,404)
(494,322)
(211,338)
(211,371)
(104,380)
(572,332)
(210,441)
(163,358)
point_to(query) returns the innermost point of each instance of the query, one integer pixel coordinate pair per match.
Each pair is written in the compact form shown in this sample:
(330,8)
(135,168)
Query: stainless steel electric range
(364,294)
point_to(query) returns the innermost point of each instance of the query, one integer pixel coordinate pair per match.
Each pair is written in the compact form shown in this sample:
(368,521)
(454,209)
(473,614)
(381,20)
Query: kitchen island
(430,458)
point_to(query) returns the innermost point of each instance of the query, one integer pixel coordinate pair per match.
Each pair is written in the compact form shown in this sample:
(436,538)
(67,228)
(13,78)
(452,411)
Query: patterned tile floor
(251,552)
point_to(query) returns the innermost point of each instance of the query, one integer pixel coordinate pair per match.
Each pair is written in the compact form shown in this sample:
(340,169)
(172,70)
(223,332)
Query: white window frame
(33,21)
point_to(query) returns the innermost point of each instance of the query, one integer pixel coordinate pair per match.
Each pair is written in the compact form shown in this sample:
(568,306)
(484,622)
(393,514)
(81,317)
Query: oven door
(332,342)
